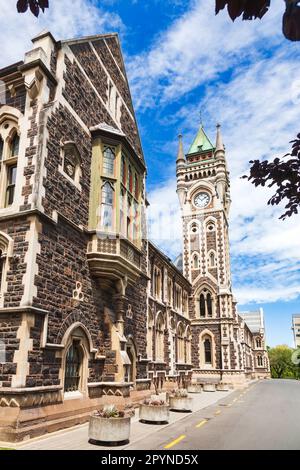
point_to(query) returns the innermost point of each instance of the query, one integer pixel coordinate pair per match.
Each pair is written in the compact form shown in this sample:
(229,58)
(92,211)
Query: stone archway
(75,358)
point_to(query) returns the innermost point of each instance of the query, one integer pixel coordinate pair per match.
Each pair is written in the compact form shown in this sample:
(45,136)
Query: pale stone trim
(21,355)
(30,290)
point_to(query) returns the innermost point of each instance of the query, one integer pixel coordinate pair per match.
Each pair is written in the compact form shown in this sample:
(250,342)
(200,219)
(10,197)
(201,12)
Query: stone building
(91,312)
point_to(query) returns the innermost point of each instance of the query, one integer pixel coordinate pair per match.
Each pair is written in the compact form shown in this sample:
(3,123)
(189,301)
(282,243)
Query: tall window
(107,206)
(259,361)
(258,343)
(180,344)
(136,186)
(159,338)
(1,148)
(14,146)
(2,262)
(122,213)
(108,161)
(196,263)
(130,179)
(206,305)
(9,151)
(170,292)
(150,335)
(188,346)
(136,222)
(129,219)
(202,306)
(157,283)
(212,260)
(11,184)
(209,305)
(207,351)
(73,368)
(123,170)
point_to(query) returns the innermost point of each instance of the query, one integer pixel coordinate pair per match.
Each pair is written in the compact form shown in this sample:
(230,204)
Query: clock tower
(203,188)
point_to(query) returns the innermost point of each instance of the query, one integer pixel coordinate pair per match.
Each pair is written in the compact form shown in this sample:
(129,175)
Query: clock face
(201,199)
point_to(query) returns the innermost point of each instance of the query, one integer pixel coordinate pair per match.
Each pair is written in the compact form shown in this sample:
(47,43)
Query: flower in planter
(154,402)
(179,393)
(110,411)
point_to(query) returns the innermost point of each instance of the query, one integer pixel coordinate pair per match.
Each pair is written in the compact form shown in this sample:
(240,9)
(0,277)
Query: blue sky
(181,58)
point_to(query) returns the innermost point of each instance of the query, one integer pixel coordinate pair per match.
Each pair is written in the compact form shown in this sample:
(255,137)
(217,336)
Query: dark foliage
(252,9)
(283,173)
(249,8)
(34,5)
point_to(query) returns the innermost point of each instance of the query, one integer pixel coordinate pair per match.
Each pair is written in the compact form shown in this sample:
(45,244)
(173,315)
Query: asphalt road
(264,416)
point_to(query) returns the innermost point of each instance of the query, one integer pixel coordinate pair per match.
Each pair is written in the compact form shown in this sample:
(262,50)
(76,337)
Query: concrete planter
(194,388)
(154,414)
(209,387)
(222,387)
(109,430)
(181,403)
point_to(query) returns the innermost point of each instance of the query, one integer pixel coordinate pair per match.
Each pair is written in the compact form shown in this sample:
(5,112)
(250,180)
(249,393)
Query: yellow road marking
(176,441)
(218,412)
(199,425)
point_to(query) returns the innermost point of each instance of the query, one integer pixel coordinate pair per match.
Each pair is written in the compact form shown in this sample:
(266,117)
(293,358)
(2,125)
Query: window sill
(73,395)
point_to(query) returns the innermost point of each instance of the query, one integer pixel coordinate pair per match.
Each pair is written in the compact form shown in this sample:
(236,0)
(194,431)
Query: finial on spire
(219,140)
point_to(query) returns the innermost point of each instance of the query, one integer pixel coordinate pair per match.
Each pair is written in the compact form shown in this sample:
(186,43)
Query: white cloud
(258,106)
(196,48)
(65,19)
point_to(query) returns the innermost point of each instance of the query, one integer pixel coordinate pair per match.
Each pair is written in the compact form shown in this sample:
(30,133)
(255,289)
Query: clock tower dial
(201,199)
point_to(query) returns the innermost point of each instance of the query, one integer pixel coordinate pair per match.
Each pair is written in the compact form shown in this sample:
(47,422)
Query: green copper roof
(201,143)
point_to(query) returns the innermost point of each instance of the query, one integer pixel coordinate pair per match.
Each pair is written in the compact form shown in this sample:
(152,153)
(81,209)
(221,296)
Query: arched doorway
(75,360)
(73,367)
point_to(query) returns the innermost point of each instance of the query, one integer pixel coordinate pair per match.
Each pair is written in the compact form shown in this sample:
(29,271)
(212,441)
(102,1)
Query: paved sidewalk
(76,438)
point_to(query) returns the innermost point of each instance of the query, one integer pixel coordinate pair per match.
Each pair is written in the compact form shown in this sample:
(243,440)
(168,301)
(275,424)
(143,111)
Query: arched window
(108,161)
(188,346)
(130,179)
(180,344)
(107,206)
(202,306)
(1,148)
(258,342)
(6,250)
(122,213)
(209,305)
(259,361)
(136,223)
(207,351)
(159,338)
(136,186)
(150,335)
(123,170)
(196,264)
(157,283)
(11,184)
(206,304)
(14,145)
(212,260)
(73,367)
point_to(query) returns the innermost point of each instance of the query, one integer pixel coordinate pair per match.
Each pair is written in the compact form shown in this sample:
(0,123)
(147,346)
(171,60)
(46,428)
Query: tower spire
(219,141)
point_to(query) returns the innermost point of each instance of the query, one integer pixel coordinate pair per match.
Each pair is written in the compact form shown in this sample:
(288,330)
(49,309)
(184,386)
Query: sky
(181,60)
